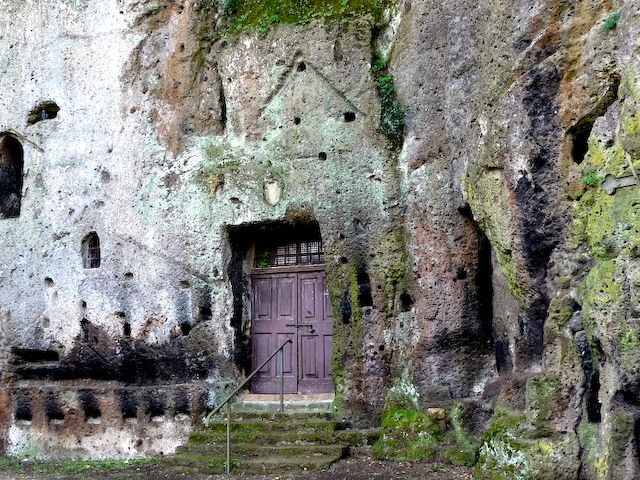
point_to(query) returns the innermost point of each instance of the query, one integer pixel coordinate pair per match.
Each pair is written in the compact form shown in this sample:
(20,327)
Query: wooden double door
(292,303)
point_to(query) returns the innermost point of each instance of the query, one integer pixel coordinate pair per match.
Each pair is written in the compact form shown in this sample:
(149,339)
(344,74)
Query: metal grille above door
(303,252)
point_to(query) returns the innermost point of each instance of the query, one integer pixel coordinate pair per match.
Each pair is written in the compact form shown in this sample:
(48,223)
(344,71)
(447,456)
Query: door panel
(315,362)
(281,300)
(274,308)
(308,348)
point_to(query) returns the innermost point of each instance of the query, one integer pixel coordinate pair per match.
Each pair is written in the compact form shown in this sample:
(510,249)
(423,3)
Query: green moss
(262,14)
(407,435)
(561,310)
(462,456)
(502,455)
(512,450)
(590,441)
(600,293)
(540,398)
(606,461)
(612,223)
(196,438)
(402,395)
(390,265)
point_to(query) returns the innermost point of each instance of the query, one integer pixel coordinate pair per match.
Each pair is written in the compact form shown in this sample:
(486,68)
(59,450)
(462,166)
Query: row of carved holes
(129,408)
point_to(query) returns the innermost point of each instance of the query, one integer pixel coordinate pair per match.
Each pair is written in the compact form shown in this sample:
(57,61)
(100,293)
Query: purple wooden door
(314,334)
(275,308)
(292,305)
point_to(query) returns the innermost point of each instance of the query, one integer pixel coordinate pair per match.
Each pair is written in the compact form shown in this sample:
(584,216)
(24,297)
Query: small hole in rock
(43,111)
(322,156)
(127,329)
(185,328)
(185,284)
(49,282)
(302,67)
(128,275)
(296,120)
(349,116)
(205,313)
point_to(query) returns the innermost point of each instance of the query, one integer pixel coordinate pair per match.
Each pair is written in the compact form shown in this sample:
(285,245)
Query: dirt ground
(360,467)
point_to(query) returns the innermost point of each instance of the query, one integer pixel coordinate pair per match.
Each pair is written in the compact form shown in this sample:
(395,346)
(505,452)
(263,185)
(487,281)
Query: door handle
(298,325)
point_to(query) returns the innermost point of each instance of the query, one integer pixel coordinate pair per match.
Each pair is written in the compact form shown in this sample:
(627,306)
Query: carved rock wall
(469,265)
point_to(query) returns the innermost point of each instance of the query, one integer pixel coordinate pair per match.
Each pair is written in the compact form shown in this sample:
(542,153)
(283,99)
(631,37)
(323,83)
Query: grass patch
(73,467)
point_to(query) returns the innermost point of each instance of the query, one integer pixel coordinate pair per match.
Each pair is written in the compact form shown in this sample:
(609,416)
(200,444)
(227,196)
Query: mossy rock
(462,456)
(408,435)
(540,395)
(512,450)
(415,436)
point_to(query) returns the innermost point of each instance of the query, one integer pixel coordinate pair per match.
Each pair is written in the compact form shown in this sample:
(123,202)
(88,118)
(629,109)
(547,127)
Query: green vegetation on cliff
(262,14)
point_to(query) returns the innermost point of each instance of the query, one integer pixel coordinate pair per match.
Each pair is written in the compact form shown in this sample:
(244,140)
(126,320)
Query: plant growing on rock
(591,177)
(392,113)
(611,21)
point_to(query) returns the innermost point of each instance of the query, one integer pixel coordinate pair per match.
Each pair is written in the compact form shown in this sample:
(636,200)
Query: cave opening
(581,130)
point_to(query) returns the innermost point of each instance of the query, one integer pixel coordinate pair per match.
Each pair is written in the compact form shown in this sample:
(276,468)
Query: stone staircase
(270,442)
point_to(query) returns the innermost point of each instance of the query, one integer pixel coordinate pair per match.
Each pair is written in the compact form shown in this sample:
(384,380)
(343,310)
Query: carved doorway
(290,302)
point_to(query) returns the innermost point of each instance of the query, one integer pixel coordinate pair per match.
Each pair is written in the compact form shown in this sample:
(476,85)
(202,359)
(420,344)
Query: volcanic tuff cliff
(473,257)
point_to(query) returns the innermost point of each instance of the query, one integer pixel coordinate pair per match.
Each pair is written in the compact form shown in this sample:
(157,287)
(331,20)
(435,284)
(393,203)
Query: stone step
(249,466)
(350,437)
(251,450)
(238,417)
(262,426)
(293,403)
(271,442)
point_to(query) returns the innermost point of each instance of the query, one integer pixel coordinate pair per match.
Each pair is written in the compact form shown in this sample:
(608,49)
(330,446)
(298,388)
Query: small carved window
(11,166)
(91,251)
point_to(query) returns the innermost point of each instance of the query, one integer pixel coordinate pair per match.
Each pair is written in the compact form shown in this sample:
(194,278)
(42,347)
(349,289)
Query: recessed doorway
(290,301)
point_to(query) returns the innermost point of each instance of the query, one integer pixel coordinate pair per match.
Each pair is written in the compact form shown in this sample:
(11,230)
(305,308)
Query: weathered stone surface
(465,258)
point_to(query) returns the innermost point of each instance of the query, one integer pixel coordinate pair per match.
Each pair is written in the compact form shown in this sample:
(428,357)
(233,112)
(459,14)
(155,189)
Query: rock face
(150,148)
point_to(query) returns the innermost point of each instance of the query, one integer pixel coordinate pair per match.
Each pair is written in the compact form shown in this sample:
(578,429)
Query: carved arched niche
(11,168)
(91,251)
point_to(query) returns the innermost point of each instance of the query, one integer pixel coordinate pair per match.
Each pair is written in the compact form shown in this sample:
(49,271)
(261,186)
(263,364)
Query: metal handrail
(207,419)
